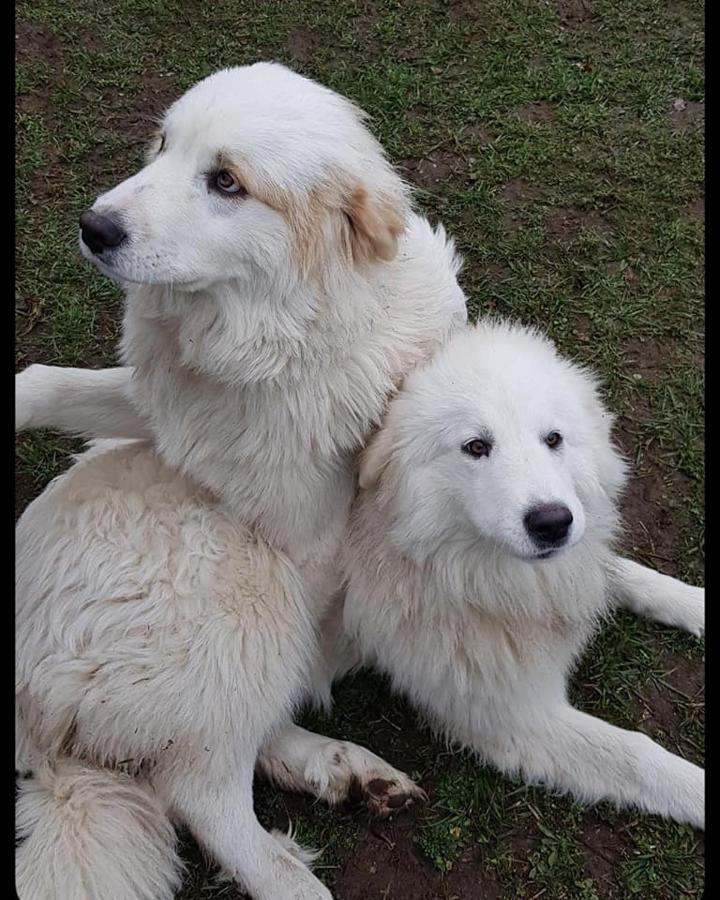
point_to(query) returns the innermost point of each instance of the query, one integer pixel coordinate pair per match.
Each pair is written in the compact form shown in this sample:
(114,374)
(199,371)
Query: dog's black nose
(548,524)
(100,232)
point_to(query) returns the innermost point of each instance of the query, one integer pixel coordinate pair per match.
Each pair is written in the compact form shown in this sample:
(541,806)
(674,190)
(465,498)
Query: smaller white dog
(480,564)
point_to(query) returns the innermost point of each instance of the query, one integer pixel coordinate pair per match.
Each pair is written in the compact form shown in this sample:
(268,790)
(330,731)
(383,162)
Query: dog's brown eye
(553,440)
(477,448)
(226,182)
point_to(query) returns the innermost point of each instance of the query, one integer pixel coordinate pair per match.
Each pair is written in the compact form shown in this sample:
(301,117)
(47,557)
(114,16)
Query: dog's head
(255,170)
(499,440)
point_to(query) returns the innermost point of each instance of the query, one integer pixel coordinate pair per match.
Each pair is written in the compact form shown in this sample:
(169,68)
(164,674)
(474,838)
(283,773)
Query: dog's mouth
(118,270)
(106,269)
(547,553)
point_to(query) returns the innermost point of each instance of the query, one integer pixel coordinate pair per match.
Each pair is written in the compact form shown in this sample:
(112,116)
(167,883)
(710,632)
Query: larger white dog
(479,563)
(170,591)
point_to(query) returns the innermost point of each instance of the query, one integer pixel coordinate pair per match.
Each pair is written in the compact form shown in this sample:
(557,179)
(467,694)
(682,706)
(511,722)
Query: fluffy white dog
(170,589)
(480,563)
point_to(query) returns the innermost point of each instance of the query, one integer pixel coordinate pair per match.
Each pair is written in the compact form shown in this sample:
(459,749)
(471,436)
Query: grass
(567,145)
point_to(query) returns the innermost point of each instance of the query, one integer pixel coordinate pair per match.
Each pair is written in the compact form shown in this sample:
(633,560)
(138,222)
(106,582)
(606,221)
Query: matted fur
(445,589)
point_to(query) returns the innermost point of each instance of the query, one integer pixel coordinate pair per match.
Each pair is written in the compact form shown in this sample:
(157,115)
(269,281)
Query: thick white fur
(444,588)
(123,821)
(170,590)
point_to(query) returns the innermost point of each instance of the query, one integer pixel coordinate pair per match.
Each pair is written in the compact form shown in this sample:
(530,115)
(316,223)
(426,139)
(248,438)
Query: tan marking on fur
(376,224)
(304,218)
(308,221)
(366,229)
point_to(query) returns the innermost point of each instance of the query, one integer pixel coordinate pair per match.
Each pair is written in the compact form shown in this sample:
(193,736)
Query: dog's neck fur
(467,576)
(264,393)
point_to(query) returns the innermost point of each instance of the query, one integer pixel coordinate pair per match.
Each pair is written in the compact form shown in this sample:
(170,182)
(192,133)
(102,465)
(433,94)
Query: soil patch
(35,43)
(573,12)
(567,221)
(696,208)
(652,531)
(684,112)
(603,850)
(514,197)
(535,112)
(432,172)
(301,44)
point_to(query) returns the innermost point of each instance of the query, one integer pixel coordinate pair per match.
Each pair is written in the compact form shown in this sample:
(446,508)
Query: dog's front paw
(345,771)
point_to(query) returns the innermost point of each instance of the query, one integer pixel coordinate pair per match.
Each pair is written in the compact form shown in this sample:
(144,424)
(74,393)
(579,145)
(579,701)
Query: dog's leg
(338,656)
(91,403)
(659,597)
(572,751)
(214,800)
(334,771)
(331,770)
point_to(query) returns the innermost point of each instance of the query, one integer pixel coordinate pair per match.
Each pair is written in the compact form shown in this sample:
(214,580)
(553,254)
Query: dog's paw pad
(384,797)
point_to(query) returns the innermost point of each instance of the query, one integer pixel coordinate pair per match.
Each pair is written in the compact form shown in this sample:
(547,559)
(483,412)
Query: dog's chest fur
(456,633)
(267,407)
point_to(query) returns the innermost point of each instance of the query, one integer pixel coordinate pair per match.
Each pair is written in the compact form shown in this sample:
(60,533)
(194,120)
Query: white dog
(479,563)
(170,589)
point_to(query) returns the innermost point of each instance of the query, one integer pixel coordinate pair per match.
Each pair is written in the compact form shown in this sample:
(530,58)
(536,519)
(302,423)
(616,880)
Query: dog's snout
(548,524)
(101,232)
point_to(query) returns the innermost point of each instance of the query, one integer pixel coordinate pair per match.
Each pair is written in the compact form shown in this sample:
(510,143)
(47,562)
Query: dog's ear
(376,223)
(375,457)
